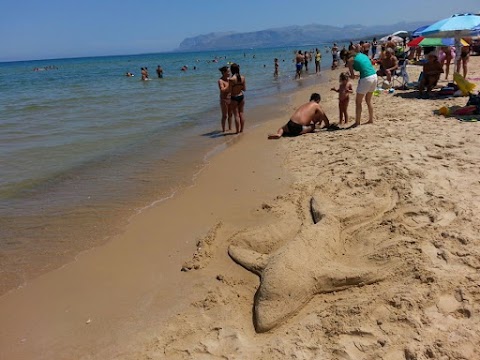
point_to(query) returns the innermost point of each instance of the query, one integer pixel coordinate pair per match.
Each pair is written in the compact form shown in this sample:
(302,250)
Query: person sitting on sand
(303,119)
(431,73)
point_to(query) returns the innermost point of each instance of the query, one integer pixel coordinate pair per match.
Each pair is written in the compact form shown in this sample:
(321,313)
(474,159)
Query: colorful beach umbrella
(416,41)
(423,41)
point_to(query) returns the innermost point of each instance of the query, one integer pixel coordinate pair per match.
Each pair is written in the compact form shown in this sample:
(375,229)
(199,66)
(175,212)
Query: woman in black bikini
(464,56)
(237,87)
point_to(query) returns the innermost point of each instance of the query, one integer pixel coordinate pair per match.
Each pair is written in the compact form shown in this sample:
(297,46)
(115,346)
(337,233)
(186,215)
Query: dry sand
(402,197)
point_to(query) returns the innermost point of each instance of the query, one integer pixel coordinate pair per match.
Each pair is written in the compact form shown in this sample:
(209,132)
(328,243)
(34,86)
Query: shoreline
(62,296)
(60,230)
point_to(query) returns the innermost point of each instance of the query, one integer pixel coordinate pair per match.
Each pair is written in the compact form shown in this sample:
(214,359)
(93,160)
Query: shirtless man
(303,119)
(390,44)
(299,60)
(334,51)
(388,64)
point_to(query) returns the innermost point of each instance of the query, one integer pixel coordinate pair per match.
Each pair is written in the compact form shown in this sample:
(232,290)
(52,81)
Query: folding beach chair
(399,76)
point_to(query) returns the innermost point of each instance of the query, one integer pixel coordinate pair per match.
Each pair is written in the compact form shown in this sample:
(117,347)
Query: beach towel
(465,86)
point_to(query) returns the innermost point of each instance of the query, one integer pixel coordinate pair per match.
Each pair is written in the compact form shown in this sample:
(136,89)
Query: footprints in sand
(418,219)
(204,250)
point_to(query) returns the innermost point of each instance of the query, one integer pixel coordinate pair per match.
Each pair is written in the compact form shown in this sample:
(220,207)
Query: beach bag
(473,100)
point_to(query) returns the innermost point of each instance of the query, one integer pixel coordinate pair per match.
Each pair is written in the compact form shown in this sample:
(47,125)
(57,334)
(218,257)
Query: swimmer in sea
(144,74)
(159,72)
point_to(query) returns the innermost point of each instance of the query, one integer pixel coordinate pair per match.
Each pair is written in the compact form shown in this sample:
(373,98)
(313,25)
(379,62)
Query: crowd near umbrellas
(456,26)
(424,42)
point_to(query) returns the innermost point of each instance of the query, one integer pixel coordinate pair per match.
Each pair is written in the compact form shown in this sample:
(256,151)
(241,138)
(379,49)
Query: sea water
(84,147)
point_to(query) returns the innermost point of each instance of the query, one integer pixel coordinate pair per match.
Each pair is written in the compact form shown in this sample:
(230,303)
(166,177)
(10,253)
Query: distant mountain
(291,36)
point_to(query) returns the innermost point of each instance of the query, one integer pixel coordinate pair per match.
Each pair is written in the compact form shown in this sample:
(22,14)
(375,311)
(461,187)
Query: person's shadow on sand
(416,95)
(336,127)
(408,95)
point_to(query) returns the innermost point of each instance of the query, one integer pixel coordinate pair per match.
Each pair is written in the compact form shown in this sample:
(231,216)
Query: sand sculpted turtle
(309,264)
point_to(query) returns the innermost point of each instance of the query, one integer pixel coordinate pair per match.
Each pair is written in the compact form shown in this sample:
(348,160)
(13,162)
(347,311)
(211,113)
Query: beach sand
(397,243)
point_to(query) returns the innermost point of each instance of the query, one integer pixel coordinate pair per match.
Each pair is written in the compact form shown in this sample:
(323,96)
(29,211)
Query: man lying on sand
(304,119)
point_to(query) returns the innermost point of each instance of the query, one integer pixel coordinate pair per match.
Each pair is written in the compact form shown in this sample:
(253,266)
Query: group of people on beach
(307,116)
(361,57)
(303,59)
(232,98)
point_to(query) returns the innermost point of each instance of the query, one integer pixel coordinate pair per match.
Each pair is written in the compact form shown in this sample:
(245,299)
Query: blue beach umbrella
(418,31)
(457,26)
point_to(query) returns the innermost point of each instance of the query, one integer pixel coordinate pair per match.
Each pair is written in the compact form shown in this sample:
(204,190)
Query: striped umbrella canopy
(422,41)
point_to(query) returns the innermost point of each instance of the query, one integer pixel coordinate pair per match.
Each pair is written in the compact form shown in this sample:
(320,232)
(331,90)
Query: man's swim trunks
(294,128)
(299,66)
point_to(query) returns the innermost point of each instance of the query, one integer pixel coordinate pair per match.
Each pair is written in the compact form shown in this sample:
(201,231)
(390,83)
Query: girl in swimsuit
(237,87)
(223,85)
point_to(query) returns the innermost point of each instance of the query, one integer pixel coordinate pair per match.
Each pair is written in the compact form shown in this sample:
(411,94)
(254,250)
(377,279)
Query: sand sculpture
(309,264)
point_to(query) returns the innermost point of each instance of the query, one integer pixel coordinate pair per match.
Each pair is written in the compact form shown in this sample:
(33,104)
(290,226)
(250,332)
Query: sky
(47,29)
